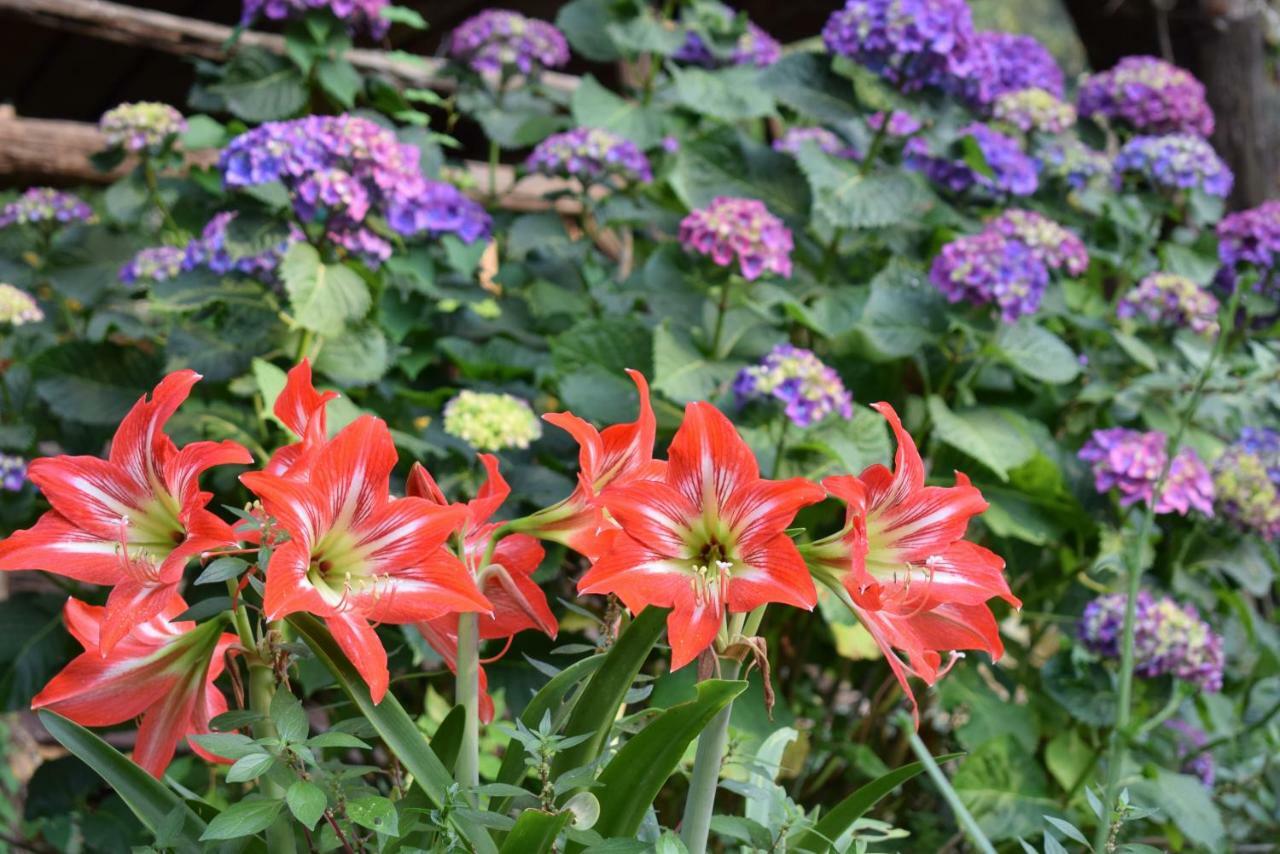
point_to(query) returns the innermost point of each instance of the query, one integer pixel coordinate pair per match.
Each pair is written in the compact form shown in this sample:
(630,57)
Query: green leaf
(853,444)
(222,569)
(841,817)
(146,796)
(250,767)
(597,708)
(243,818)
(261,87)
(394,726)
(595,106)
(846,198)
(727,162)
(228,745)
(203,132)
(287,714)
(92,383)
(403,15)
(1082,688)
(1005,788)
(585,23)
(447,739)
(323,297)
(611,343)
(729,94)
(340,79)
(1187,803)
(375,813)
(358,357)
(1037,352)
(995,437)
(535,832)
(336,739)
(637,772)
(902,315)
(805,82)
(681,372)
(307,802)
(33,647)
(744,830)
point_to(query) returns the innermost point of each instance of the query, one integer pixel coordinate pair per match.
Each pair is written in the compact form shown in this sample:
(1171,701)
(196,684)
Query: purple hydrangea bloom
(1166,299)
(989,268)
(1074,163)
(1056,247)
(1196,762)
(1247,479)
(808,389)
(1169,639)
(358,15)
(500,41)
(1009,62)
(13,473)
(1149,95)
(341,170)
(592,156)
(1033,110)
(730,228)
(1175,162)
(1012,171)
(1131,461)
(156,264)
(901,123)
(753,47)
(210,251)
(913,44)
(1251,237)
(143,126)
(796,138)
(45,204)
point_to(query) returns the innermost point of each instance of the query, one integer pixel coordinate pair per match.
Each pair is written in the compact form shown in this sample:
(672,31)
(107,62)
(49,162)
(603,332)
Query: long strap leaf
(635,775)
(535,832)
(394,726)
(595,711)
(149,799)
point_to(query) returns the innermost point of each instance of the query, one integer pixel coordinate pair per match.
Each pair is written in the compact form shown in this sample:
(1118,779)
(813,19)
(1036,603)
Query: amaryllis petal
(708,462)
(360,643)
(90,493)
(692,626)
(140,442)
(438,584)
(352,474)
(774,572)
(54,544)
(288,588)
(131,603)
(299,402)
(184,468)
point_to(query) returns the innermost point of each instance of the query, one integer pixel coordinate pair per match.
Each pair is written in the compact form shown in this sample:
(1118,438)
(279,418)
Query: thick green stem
(723,309)
(963,816)
(780,448)
(468,694)
(1133,567)
(700,802)
(262,687)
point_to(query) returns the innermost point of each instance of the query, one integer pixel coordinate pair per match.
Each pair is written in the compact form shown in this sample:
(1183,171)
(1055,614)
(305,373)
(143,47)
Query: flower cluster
(1247,479)
(1149,95)
(500,41)
(1008,263)
(1074,163)
(1012,171)
(1033,110)
(1167,299)
(1131,462)
(1010,62)
(913,44)
(358,15)
(491,422)
(901,123)
(17,307)
(591,155)
(1169,639)
(808,389)
(342,170)
(1251,237)
(794,139)
(45,204)
(142,126)
(13,473)
(730,228)
(1175,162)
(753,47)
(155,264)
(211,251)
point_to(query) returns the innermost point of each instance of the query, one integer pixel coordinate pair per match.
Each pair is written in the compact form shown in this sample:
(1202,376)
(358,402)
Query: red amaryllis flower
(506,580)
(302,409)
(902,565)
(161,670)
(131,521)
(355,555)
(619,454)
(710,535)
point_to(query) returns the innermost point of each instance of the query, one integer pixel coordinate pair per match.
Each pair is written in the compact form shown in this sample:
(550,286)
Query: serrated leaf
(1036,352)
(228,745)
(846,198)
(994,437)
(597,107)
(805,82)
(729,94)
(340,79)
(323,297)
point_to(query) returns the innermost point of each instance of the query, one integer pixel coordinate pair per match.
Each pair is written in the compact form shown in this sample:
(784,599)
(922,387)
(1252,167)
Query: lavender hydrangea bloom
(913,44)
(341,170)
(730,228)
(808,389)
(1131,461)
(591,155)
(17,307)
(754,47)
(156,264)
(45,205)
(1251,237)
(1012,171)
(1010,62)
(1247,479)
(13,473)
(1175,162)
(1166,299)
(211,252)
(1197,762)
(1149,95)
(1033,110)
(358,15)
(142,126)
(1056,247)
(795,139)
(1074,163)
(1169,639)
(989,268)
(500,41)
(901,123)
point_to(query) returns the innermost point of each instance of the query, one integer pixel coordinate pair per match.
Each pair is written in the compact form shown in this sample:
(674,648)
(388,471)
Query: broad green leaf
(610,343)
(33,646)
(1187,803)
(307,802)
(1005,788)
(375,813)
(1035,351)
(535,832)
(681,372)
(995,437)
(586,24)
(92,383)
(358,357)
(250,767)
(804,82)
(1081,688)
(394,726)
(287,714)
(146,796)
(727,162)
(271,382)
(846,198)
(243,818)
(729,94)
(595,106)
(902,314)
(261,87)
(322,297)
(447,740)
(340,79)
(638,771)
(222,569)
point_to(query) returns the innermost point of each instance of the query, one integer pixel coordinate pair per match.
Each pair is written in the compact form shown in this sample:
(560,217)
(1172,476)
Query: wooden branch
(175,34)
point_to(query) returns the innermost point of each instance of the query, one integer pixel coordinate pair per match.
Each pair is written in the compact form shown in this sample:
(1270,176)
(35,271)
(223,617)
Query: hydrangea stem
(468,694)
(722,310)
